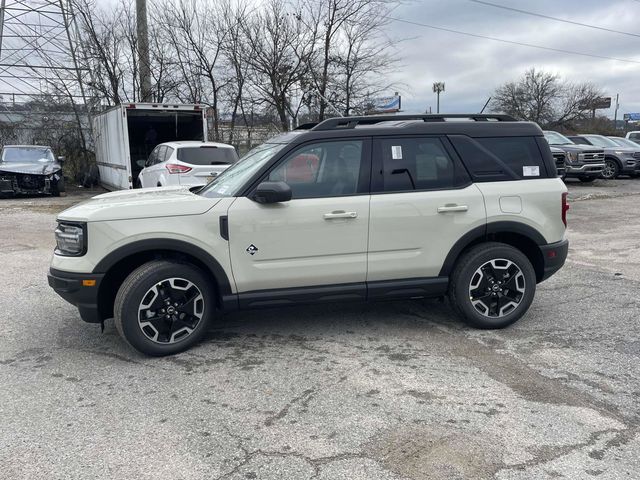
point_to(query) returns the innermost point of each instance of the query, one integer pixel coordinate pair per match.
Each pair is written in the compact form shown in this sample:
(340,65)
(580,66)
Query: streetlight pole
(437,88)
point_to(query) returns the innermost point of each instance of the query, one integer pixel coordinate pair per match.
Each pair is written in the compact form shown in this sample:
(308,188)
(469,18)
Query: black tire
(587,179)
(465,272)
(611,169)
(137,287)
(58,187)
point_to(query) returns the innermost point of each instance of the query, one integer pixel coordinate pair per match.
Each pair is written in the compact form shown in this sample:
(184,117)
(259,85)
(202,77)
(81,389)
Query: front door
(422,202)
(319,237)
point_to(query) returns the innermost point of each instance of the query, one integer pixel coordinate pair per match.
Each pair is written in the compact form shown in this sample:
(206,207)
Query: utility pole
(437,88)
(143,50)
(615,115)
(2,9)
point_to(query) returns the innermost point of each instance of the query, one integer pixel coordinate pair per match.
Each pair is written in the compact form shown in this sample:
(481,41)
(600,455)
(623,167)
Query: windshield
(27,155)
(207,155)
(555,138)
(229,182)
(600,141)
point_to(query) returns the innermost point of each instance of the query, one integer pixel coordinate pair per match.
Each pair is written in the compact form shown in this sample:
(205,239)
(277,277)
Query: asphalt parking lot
(397,390)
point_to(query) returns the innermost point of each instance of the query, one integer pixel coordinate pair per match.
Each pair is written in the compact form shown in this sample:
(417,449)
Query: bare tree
(104,44)
(363,63)
(544,98)
(346,33)
(198,33)
(279,48)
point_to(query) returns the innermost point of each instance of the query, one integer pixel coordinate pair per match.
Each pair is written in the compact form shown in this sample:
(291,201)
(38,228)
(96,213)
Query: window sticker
(396,152)
(530,171)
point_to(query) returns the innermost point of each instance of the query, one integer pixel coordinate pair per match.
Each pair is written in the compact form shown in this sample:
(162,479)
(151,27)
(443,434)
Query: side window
(417,163)
(634,136)
(496,159)
(520,154)
(327,169)
(153,156)
(167,154)
(161,152)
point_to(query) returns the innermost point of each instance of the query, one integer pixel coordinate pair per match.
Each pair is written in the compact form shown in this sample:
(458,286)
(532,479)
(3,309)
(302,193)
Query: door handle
(340,214)
(452,208)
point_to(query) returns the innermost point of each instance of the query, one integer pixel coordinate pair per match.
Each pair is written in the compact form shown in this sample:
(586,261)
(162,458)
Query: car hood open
(139,203)
(30,168)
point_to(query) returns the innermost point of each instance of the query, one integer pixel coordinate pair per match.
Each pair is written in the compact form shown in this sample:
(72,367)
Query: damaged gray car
(30,169)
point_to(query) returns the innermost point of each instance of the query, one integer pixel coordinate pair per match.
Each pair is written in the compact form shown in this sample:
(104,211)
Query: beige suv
(357,208)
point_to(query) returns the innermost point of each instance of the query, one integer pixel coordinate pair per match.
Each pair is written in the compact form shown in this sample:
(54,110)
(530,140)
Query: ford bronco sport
(356,208)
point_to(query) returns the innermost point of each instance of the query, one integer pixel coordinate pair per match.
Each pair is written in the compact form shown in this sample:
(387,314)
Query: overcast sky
(473,67)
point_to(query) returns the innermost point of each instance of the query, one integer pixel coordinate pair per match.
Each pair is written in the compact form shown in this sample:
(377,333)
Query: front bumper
(70,286)
(553,255)
(586,169)
(630,165)
(17,183)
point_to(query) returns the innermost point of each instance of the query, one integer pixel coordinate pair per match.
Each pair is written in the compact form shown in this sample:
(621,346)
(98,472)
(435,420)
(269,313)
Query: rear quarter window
(501,158)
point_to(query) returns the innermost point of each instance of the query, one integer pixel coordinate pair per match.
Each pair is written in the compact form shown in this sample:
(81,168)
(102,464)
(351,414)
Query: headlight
(571,157)
(623,153)
(71,239)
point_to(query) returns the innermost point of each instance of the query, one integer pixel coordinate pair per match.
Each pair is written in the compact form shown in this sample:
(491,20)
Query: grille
(559,159)
(31,182)
(593,157)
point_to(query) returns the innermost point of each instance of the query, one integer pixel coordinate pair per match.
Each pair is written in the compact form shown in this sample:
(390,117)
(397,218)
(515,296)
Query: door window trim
(377,180)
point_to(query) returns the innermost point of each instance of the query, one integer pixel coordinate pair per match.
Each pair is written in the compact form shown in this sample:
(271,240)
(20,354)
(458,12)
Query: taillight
(175,168)
(565,207)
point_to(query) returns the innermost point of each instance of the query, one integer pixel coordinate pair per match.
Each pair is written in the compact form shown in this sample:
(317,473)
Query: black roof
(473,125)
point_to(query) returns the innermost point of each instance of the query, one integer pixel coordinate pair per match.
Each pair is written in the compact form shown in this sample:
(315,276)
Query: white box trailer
(126,134)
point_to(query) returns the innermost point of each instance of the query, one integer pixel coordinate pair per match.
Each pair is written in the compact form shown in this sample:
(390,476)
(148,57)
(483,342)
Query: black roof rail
(352,122)
(306,126)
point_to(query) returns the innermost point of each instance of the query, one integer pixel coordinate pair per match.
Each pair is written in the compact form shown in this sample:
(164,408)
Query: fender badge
(252,249)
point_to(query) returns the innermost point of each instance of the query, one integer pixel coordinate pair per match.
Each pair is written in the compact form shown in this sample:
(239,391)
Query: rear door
(317,239)
(422,203)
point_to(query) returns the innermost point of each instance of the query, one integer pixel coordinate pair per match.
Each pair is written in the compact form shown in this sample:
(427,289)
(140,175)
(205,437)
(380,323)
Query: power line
(526,12)
(475,35)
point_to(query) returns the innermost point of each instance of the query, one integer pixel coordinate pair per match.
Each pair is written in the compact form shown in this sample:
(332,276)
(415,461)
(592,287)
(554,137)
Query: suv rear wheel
(164,307)
(492,285)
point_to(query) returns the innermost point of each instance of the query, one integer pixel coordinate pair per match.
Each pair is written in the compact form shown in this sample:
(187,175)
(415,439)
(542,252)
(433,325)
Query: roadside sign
(385,104)
(632,117)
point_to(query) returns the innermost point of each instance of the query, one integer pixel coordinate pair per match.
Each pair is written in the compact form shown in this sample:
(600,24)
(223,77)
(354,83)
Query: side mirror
(272,192)
(60,160)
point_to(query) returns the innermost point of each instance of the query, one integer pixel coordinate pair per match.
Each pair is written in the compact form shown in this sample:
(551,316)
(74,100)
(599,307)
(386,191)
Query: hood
(140,203)
(579,148)
(621,149)
(30,168)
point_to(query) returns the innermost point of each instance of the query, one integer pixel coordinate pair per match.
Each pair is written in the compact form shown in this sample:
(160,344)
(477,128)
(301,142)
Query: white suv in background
(355,208)
(189,163)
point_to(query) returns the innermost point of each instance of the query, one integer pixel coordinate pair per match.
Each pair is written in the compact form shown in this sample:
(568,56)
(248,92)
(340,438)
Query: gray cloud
(472,68)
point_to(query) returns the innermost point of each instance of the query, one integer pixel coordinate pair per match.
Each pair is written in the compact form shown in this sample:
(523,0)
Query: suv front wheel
(492,285)
(164,307)
(611,169)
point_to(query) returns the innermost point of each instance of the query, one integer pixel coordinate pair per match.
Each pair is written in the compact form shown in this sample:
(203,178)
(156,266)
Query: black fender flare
(481,233)
(172,245)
